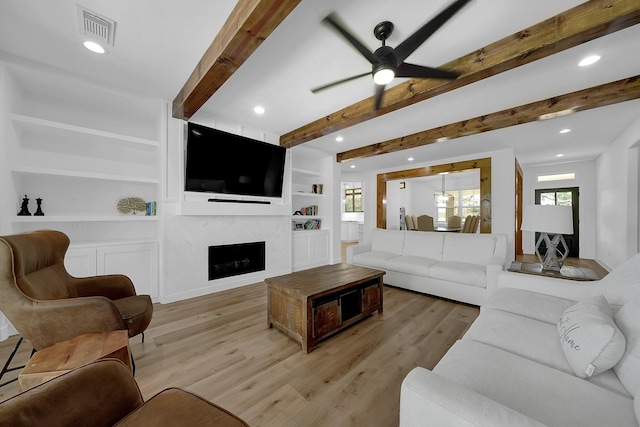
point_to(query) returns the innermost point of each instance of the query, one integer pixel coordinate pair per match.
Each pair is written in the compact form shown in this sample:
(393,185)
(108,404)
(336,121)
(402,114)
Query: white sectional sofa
(527,358)
(462,267)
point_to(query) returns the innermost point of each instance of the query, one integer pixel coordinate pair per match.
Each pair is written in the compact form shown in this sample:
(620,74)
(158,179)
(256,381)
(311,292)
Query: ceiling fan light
(383,76)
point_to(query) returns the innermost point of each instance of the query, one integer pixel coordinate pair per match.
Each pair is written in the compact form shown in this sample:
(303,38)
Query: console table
(311,305)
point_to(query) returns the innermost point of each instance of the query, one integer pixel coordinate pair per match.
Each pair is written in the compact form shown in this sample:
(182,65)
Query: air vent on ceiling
(96,26)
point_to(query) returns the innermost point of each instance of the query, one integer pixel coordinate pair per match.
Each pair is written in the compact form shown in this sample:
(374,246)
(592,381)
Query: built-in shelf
(305,172)
(305,217)
(304,194)
(87,175)
(84,218)
(24,122)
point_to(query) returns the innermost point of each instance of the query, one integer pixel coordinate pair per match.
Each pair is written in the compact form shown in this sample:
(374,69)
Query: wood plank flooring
(220,347)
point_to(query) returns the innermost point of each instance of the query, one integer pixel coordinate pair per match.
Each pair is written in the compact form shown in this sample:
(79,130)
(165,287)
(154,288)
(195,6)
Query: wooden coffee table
(53,361)
(311,305)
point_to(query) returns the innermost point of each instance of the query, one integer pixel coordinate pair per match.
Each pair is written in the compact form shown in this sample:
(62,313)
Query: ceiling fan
(387,62)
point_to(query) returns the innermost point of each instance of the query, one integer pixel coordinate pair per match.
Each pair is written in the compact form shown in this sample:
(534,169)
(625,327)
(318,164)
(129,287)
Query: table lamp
(550,219)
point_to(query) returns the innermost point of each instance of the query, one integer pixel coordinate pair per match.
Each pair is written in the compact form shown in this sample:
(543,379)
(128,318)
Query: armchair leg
(6,367)
(142,336)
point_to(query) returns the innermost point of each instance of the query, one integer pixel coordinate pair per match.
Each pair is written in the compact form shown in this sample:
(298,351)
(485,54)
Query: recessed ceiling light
(589,60)
(565,131)
(559,155)
(94,47)
(410,159)
(258,109)
(339,139)
(352,166)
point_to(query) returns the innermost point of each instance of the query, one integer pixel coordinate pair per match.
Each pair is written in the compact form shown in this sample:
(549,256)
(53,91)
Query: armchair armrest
(53,321)
(426,397)
(561,288)
(357,249)
(112,286)
(98,394)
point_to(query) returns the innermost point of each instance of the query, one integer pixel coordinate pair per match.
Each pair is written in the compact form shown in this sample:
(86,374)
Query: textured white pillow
(628,369)
(589,337)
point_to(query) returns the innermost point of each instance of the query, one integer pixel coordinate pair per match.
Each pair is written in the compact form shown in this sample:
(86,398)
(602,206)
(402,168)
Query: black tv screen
(221,162)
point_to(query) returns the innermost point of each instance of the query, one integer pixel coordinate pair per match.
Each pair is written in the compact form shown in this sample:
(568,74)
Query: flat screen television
(224,163)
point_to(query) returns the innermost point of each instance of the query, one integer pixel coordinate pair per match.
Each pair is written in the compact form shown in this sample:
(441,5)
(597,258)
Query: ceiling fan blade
(333,20)
(378,96)
(332,84)
(414,41)
(422,72)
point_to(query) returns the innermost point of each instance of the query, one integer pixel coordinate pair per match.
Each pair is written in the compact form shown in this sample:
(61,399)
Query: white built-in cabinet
(137,261)
(81,148)
(312,192)
(350,231)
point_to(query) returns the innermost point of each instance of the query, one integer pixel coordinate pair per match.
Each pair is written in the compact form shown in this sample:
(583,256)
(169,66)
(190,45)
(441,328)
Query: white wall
(617,193)
(585,180)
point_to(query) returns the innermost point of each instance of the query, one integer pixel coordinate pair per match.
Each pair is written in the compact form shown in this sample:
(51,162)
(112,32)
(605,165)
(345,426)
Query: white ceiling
(158,43)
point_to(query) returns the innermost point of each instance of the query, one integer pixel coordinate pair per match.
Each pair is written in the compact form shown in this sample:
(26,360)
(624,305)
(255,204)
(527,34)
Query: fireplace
(235,259)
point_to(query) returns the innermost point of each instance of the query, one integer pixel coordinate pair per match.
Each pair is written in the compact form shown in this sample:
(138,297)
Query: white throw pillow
(589,337)
(621,284)
(628,369)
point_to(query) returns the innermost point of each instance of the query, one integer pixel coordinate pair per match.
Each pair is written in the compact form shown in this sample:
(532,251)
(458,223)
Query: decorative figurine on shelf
(39,210)
(131,205)
(24,209)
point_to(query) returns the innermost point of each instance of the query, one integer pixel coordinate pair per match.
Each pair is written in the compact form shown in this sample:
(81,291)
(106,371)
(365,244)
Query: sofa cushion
(519,335)
(375,259)
(550,396)
(469,248)
(533,339)
(589,337)
(545,308)
(388,241)
(623,283)
(628,369)
(460,272)
(416,265)
(424,244)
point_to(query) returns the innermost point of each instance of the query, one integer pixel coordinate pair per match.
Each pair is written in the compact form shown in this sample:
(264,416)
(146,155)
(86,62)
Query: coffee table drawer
(371,298)
(326,318)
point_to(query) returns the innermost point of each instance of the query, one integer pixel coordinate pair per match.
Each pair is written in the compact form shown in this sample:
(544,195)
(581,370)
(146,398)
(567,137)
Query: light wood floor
(220,347)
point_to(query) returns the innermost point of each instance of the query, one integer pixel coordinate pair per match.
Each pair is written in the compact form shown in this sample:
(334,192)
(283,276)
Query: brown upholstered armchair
(46,305)
(103,393)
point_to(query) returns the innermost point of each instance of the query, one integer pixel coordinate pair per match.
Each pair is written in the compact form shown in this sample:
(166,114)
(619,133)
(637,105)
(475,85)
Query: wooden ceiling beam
(585,22)
(595,97)
(249,24)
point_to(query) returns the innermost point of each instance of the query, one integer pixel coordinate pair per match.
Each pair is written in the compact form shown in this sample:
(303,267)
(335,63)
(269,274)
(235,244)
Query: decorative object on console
(24,208)
(131,205)
(39,209)
(550,219)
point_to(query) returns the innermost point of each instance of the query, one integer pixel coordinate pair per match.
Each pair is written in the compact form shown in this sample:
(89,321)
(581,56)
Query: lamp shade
(553,219)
